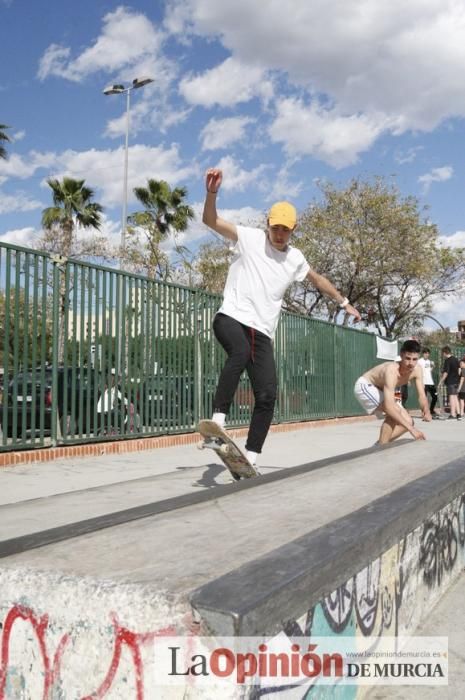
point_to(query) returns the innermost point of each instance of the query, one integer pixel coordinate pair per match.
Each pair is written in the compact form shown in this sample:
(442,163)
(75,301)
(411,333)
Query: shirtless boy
(374,390)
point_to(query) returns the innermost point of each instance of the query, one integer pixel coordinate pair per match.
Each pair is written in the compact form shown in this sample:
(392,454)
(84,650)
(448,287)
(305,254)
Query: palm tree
(3,137)
(165,213)
(72,206)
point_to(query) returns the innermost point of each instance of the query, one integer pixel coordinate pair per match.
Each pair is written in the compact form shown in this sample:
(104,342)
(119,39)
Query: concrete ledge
(42,536)
(259,597)
(123,446)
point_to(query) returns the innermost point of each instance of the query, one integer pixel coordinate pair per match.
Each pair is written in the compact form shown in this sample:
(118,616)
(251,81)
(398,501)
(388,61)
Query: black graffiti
(405,566)
(437,551)
(338,606)
(387,608)
(293,629)
(438,548)
(367,596)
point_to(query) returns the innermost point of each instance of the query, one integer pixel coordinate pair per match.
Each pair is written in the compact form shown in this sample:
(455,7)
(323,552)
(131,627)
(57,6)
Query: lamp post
(119,90)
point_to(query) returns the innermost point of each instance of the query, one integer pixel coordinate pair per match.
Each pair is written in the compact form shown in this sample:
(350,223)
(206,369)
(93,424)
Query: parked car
(165,400)
(26,403)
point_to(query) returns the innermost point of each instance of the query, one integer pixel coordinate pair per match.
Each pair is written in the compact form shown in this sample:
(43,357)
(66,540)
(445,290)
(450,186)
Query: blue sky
(278,95)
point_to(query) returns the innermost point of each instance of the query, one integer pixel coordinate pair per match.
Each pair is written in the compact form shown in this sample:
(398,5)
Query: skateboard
(215,438)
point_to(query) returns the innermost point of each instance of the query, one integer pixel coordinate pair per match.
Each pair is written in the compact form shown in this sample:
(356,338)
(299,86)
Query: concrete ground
(200,468)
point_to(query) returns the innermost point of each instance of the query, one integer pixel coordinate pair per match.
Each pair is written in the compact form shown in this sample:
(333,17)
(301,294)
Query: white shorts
(368,395)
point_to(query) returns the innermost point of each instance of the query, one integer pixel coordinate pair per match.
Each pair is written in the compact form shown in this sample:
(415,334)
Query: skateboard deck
(215,438)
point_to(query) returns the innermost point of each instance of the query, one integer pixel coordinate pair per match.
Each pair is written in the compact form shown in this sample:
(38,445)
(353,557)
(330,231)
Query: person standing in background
(461,393)
(451,378)
(427,366)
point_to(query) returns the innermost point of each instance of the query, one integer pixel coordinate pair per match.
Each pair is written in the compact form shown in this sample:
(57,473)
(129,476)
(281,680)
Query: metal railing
(92,353)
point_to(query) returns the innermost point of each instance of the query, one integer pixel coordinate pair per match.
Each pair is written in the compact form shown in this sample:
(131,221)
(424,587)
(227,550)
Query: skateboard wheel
(201,445)
(224,449)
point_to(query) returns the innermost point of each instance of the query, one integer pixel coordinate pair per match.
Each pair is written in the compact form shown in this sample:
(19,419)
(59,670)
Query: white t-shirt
(427,367)
(258,278)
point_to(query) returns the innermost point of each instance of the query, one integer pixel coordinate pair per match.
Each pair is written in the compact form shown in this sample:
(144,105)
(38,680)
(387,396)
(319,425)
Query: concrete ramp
(363,544)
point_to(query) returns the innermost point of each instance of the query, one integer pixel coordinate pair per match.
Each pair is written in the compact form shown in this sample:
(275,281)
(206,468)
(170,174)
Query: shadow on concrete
(208,478)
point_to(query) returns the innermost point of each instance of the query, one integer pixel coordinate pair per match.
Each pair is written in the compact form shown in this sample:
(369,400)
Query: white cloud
(323,133)
(282,186)
(127,38)
(401,59)
(447,311)
(408,156)
(53,62)
(236,178)
(227,84)
(100,169)
(17,202)
(26,237)
(18,136)
(104,169)
(244,216)
(108,229)
(436,175)
(455,240)
(117,127)
(145,115)
(220,133)
(24,167)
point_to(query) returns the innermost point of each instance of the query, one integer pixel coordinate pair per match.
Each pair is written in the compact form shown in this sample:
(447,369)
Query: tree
(3,138)
(381,251)
(18,326)
(436,338)
(209,269)
(165,214)
(72,206)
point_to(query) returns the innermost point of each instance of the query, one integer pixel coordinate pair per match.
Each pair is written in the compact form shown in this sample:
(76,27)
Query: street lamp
(119,89)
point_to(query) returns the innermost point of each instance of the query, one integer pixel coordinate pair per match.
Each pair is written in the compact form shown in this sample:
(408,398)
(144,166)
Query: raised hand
(213,179)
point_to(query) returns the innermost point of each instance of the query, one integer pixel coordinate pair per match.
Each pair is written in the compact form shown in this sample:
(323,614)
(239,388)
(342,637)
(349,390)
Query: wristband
(345,302)
(212,191)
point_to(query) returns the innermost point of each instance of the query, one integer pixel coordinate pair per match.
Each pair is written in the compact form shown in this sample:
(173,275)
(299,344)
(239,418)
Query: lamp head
(140,82)
(114,90)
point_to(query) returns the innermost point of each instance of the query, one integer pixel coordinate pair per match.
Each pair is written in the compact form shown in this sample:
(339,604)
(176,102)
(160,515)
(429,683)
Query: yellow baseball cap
(282,214)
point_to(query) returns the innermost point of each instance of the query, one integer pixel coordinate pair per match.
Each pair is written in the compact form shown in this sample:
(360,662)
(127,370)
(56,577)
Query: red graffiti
(123,638)
(132,640)
(39,625)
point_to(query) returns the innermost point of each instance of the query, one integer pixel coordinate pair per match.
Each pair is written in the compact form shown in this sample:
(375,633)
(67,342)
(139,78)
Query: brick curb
(48,454)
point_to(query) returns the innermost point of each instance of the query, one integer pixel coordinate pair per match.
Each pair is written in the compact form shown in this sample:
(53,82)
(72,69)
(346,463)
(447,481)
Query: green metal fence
(92,353)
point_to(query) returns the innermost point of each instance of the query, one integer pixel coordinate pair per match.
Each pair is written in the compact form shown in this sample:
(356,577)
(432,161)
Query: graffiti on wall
(390,596)
(52,659)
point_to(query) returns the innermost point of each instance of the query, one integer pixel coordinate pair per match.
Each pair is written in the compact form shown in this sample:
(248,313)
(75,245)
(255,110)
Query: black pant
(251,350)
(431,390)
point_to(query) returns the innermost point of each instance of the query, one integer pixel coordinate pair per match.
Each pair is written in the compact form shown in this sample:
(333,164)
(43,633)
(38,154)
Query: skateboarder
(264,265)
(374,391)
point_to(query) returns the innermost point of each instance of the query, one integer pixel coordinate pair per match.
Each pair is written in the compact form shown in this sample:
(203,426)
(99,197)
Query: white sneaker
(220,419)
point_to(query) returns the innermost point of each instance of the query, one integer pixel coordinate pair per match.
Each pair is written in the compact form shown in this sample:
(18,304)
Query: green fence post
(56,262)
(197,363)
